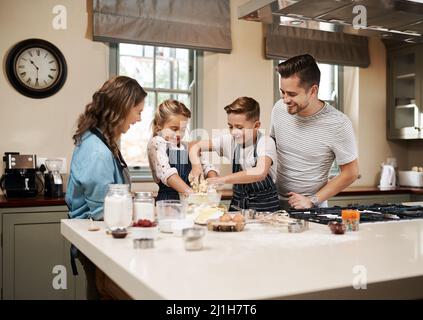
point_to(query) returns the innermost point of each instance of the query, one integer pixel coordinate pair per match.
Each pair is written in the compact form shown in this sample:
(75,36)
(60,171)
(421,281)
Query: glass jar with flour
(144,206)
(118,206)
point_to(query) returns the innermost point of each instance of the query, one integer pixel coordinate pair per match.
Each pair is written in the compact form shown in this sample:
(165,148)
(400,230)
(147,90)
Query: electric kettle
(387,177)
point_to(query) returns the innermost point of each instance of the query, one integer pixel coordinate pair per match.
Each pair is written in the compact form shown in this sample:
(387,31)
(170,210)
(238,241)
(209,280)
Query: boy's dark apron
(124,171)
(177,159)
(260,195)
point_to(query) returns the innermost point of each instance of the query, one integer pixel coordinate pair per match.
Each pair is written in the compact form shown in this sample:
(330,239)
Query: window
(330,91)
(330,77)
(164,73)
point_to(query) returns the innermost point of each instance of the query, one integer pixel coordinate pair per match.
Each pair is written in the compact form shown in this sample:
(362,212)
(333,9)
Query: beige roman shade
(283,42)
(194,24)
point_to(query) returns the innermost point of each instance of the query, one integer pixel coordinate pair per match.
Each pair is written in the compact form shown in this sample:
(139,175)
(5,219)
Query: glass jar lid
(119,187)
(143,195)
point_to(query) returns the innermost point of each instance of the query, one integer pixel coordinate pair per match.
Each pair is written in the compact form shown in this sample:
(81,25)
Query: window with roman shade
(191,24)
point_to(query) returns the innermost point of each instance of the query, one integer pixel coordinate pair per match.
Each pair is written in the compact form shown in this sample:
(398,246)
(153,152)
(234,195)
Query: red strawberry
(144,223)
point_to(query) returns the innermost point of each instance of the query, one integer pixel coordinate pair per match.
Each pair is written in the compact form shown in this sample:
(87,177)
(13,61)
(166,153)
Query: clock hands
(36,80)
(32,62)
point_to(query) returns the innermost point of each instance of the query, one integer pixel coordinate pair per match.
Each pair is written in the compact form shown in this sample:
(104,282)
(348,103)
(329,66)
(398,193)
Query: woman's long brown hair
(109,108)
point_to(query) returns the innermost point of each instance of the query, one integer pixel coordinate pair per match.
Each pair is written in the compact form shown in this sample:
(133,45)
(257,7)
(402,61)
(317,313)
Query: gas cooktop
(368,213)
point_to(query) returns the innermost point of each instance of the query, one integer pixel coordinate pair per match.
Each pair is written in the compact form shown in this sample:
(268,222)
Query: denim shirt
(93,168)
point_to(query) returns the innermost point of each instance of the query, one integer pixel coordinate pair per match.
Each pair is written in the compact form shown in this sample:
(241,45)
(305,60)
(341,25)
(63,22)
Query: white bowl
(198,199)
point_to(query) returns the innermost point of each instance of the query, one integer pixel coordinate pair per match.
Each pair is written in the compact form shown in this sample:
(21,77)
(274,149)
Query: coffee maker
(53,182)
(20,175)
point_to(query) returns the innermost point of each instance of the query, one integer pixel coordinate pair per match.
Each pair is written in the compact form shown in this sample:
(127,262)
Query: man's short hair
(304,67)
(245,105)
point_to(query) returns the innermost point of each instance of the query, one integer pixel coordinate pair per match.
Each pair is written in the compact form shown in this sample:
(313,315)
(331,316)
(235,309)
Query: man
(309,134)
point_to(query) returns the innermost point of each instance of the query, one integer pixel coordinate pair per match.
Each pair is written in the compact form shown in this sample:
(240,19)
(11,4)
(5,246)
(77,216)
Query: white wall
(45,126)
(244,72)
(415,154)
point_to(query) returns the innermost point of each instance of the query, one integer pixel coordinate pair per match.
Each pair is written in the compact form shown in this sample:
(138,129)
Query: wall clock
(36,68)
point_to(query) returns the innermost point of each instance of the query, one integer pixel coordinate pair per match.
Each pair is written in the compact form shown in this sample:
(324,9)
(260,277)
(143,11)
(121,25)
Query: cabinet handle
(418,128)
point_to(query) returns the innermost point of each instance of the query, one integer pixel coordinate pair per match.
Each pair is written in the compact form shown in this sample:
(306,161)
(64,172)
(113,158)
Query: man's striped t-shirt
(307,147)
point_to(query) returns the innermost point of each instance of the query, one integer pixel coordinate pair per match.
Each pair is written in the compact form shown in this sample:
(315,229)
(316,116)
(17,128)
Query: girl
(167,155)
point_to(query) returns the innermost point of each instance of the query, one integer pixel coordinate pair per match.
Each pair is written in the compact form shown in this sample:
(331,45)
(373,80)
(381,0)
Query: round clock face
(36,68)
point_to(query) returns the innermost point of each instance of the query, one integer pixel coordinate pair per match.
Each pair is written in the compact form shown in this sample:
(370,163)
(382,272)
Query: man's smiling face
(294,95)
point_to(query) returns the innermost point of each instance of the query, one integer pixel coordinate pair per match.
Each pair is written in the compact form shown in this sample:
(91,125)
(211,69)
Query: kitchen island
(384,260)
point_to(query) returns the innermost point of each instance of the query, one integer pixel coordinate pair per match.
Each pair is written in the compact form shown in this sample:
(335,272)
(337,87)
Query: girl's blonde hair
(165,111)
(109,108)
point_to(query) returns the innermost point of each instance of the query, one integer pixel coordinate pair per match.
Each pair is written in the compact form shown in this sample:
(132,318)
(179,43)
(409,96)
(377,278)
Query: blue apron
(177,159)
(260,195)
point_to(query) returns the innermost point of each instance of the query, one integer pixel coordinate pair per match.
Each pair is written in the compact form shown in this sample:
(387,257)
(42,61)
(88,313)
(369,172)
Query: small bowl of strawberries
(144,223)
(144,228)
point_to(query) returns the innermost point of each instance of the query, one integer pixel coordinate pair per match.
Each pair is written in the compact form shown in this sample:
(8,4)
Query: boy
(253,157)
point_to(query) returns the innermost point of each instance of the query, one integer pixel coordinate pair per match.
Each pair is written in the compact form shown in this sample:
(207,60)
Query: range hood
(388,19)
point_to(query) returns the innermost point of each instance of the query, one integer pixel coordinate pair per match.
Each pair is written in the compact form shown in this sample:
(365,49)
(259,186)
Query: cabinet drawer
(32,247)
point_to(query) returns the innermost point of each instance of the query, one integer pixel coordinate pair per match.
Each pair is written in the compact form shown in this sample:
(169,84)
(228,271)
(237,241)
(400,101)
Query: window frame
(143,173)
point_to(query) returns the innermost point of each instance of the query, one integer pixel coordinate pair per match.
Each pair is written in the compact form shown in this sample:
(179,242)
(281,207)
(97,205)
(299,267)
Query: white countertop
(260,262)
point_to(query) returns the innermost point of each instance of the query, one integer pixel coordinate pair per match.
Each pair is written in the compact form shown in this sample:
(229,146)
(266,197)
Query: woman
(96,160)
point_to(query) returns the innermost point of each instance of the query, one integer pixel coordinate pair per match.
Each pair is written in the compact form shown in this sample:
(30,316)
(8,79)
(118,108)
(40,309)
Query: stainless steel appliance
(368,213)
(388,19)
(20,176)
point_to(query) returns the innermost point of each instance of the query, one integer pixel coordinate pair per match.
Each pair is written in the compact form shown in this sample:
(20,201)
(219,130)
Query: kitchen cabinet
(32,247)
(405,92)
